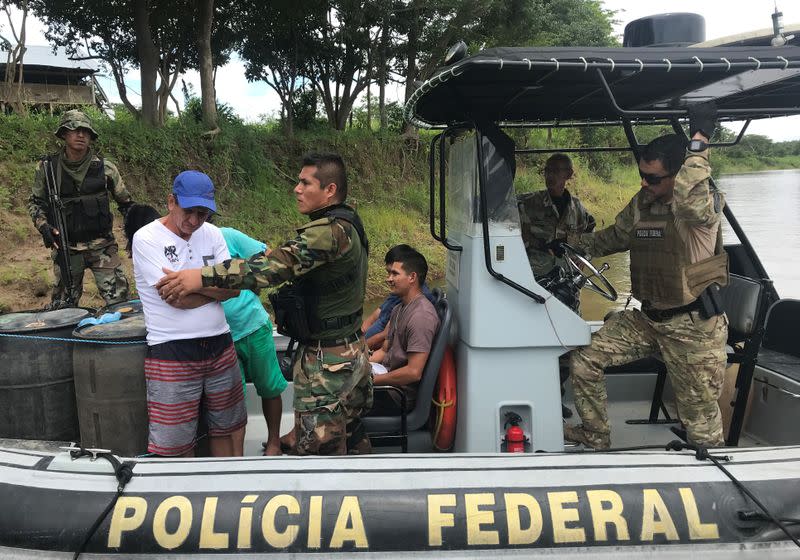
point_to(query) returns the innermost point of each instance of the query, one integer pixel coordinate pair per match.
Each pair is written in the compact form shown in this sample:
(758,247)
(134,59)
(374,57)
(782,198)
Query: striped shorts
(183,374)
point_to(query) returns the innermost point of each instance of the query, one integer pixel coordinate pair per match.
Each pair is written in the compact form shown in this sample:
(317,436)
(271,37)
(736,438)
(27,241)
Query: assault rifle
(62,243)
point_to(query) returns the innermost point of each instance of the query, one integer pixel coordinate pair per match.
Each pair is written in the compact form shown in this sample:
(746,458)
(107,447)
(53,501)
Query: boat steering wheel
(585,274)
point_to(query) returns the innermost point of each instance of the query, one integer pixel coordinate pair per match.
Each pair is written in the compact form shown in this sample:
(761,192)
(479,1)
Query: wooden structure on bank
(51,81)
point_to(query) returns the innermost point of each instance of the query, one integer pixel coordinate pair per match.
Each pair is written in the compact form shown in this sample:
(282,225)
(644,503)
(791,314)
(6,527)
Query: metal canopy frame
(702,61)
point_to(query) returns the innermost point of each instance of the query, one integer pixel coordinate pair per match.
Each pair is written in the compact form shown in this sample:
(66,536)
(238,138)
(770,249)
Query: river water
(767,206)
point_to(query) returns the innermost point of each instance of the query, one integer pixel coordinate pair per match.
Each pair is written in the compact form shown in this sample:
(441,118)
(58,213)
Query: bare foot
(272,449)
(285,444)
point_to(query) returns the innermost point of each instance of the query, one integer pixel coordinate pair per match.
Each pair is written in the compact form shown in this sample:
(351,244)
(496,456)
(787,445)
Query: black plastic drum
(126,308)
(37,393)
(110,387)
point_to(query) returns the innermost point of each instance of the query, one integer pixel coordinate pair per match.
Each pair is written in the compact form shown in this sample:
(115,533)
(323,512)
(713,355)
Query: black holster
(711,302)
(291,315)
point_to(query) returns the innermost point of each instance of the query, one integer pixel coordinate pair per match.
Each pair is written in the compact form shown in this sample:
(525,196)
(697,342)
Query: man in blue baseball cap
(190,353)
(194,189)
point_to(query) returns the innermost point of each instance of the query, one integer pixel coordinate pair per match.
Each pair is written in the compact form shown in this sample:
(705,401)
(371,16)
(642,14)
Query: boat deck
(629,397)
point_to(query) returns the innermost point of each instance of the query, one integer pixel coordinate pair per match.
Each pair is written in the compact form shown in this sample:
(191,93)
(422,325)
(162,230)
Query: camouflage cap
(73,120)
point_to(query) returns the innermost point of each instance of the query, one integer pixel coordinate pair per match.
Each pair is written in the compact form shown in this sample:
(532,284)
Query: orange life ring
(443,411)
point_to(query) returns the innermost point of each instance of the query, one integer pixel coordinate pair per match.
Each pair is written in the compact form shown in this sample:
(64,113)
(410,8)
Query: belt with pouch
(333,342)
(660,315)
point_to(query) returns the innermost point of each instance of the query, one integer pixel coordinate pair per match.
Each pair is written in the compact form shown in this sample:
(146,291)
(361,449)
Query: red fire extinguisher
(515,437)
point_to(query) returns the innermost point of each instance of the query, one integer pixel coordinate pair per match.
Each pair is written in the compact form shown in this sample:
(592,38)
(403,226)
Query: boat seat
(744,302)
(393,429)
(746,307)
(780,351)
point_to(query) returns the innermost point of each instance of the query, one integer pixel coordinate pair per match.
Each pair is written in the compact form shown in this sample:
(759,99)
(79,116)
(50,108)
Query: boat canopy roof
(607,85)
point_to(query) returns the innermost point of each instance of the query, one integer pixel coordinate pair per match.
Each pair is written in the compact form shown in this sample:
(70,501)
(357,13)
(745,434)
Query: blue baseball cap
(193,188)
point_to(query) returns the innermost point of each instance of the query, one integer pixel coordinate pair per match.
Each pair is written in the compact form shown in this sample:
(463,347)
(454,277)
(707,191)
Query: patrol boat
(652,496)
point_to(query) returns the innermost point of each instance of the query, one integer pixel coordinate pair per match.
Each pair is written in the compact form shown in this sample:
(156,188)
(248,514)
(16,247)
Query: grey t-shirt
(412,327)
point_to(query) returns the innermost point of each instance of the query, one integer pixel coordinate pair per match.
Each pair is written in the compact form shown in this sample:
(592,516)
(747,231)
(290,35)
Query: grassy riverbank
(254,168)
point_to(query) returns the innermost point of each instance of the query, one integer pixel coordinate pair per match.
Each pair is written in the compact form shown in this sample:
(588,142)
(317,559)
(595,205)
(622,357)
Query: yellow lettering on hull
(275,538)
(437,519)
(604,516)
(121,522)
(349,525)
(476,517)
(655,517)
(516,534)
(561,515)
(697,529)
(164,538)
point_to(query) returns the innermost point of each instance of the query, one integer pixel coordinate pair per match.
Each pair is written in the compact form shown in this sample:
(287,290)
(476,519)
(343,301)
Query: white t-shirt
(155,247)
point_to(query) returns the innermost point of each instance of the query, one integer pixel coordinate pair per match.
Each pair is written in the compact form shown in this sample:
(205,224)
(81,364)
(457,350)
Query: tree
(275,41)
(342,48)
(148,34)
(329,43)
(14,59)
(430,26)
(205,19)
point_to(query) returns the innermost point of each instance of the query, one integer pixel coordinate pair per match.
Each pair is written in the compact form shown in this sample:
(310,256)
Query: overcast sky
(723,18)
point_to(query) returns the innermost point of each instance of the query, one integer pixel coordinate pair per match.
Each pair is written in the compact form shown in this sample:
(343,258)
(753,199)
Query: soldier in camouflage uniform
(327,263)
(552,214)
(546,216)
(672,227)
(85,181)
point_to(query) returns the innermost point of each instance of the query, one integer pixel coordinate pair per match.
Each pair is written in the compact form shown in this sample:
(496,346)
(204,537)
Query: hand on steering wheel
(587,274)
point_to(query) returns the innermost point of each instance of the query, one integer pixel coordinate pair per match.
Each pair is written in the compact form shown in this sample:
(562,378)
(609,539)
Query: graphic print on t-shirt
(171,253)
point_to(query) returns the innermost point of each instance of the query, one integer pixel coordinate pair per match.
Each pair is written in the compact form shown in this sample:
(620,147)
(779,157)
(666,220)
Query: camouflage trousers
(106,268)
(332,390)
(692,348)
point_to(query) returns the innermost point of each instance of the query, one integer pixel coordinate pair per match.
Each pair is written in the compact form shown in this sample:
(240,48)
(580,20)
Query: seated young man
(374,326)
(412,326)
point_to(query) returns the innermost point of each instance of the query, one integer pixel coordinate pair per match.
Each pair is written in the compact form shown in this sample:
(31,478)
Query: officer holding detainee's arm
(326,264)
(672,228)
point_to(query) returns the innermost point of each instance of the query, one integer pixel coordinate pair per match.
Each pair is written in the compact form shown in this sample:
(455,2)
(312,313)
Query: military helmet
(73,120)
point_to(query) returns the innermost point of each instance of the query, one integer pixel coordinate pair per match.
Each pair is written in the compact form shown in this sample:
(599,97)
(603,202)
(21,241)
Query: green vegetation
(757,153)
(254,168)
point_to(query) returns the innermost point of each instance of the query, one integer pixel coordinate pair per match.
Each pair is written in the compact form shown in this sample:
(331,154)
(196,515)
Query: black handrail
(571,150)
(633,142)
(484,206)
(432,176)
(676,126)
(441,235)
(684,112)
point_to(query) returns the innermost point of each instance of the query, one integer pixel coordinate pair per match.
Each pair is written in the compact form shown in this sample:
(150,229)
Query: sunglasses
(652,179)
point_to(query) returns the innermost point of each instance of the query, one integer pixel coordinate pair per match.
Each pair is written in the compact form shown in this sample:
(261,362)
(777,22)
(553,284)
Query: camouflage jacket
(38,203)
(541,224)
(695,205)
(310,249)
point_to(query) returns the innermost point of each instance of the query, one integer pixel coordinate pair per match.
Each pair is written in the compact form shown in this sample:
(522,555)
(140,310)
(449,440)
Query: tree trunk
(119,78)
(148,62)
(413,49)
(290,115)
(384,45)
(205,11)
(369,107)
(369,90)
(14,65)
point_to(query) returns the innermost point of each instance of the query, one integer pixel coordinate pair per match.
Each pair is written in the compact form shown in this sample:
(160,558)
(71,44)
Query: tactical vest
(87,208)
(661,271)
(326,303)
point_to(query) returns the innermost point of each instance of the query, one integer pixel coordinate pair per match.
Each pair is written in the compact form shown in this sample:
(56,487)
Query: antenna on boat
(779,39)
